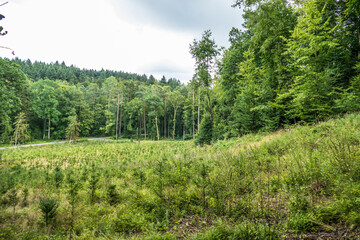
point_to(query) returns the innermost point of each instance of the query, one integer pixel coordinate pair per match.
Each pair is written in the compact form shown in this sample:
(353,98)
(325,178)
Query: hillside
(301,182)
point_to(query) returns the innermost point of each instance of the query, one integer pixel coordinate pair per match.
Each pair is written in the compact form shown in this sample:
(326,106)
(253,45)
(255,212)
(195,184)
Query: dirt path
(50,143)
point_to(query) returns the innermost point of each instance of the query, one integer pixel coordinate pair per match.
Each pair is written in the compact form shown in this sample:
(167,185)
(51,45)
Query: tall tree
(156,108)
(21,129)
(73,129)
(204,52)
(44,103)
(311,48)
(13,96)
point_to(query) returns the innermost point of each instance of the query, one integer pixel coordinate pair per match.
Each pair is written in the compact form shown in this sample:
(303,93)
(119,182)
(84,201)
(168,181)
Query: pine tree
(20,133)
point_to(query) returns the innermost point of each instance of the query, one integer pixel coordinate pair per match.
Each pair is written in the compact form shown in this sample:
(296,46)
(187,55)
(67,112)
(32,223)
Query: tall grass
(294,183)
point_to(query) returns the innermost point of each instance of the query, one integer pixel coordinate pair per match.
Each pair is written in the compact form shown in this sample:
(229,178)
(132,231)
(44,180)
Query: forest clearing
(257,138)
(301,182)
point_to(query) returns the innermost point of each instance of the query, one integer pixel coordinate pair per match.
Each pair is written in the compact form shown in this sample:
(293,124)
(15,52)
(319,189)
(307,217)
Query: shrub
(112,195)
(48,208)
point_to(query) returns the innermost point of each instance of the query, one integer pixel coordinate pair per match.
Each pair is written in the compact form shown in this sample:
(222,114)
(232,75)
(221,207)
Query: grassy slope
(300,182)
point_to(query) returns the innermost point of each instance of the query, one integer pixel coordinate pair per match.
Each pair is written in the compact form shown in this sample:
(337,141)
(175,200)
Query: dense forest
(291,63)
(49,95)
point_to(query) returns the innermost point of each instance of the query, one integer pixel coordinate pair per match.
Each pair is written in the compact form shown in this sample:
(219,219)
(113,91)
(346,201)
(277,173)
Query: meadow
(297,183)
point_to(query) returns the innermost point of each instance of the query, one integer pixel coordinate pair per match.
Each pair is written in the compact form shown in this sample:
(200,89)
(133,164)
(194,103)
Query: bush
(48,208)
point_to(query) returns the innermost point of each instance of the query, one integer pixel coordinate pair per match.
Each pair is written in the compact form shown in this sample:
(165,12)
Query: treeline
(294,62)
(60,71)
(100,107)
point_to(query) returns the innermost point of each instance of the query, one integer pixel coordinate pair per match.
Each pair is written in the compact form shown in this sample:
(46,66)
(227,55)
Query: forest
(292,63)
(262,143)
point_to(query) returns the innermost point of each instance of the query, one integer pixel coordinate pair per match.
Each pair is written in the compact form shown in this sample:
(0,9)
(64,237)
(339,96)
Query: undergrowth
(295,183)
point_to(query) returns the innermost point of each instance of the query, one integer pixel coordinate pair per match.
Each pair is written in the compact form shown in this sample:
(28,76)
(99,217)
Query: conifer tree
(20,133)
(311,48)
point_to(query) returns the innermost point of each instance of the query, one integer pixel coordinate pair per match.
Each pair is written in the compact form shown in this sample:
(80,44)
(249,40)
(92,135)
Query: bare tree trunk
(144,121)
(109,101)
(198,111)
(117,117)
(168,132)
(157,129)
(184,129)
(94,97)
(165,118)
(174,124)
(44,129)
(49,128)
(193,115)
(139,126)
(210,109)
(16,135)
(120,120)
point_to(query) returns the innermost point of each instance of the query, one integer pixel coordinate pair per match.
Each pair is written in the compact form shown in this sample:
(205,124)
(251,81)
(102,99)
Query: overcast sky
(138,36)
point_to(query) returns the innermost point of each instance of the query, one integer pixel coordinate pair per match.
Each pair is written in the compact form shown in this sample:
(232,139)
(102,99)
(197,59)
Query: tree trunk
(94,98)
(139,126)
(44,129)
(359,45)
(174,125)
(120,120)
(198,111)
(168,130)
(210,109)
(144,121)
(16,135)
(165,118)
(184,129)
(49,128)
(117,117)
(109,102)
(193,115)
(157,129)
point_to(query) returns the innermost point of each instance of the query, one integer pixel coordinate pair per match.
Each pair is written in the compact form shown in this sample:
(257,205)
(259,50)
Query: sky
(137,36)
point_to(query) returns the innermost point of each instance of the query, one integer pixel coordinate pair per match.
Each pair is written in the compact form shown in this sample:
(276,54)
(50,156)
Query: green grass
(294,183)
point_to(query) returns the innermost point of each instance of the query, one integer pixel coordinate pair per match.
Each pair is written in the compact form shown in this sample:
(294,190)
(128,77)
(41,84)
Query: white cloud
(96,34)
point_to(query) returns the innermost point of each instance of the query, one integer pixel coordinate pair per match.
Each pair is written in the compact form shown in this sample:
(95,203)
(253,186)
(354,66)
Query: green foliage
(73,129)
(48,207)
(13,199)
(206,131)
(13,96)
(21,129)
(93,184)
(311,47)
(245,230)
(302,222)
(300,182)
(58,177)
(86,121)
(204,51)
(44,103)
(112,194)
